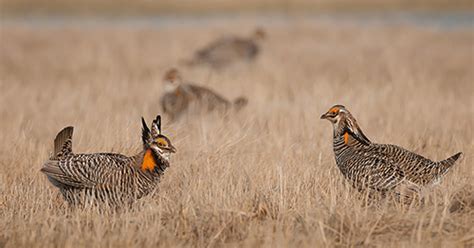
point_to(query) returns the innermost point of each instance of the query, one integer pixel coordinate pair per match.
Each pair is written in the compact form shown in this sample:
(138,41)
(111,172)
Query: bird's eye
(161,142)
(334,111)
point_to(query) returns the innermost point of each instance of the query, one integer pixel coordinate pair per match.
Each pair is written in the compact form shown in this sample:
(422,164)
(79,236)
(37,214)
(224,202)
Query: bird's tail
(63,143)
(445,165)
(240,102)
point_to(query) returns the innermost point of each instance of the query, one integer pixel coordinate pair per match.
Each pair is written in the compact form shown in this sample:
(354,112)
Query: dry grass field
(263,177)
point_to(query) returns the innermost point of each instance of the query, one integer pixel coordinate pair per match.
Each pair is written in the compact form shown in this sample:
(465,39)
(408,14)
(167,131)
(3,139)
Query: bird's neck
(349,134)
(150,163)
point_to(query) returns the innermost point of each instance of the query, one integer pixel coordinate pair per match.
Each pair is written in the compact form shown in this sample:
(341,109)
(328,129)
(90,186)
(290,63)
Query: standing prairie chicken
(379,167)
(108,178)
(227,50)
(180,98)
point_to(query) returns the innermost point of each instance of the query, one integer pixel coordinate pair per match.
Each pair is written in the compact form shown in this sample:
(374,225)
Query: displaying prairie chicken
(180,98)
(378,167)
(227,50)
(108,178)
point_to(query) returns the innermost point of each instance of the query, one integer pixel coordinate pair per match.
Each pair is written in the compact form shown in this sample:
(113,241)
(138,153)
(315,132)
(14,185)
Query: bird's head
(259,34)
(335,114)
(343,122)
(172,79)
(157,146)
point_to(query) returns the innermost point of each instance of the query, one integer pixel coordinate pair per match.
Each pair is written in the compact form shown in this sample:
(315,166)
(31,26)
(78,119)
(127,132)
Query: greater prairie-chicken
(180,98)
(379,167)
(107,178)
(227,50)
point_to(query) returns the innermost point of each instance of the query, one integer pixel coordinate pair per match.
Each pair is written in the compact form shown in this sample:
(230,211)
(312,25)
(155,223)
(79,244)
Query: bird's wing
(204,92)
(220,52)
(381,171)
(59,178)
(215,45)
(84,170)
(417,168)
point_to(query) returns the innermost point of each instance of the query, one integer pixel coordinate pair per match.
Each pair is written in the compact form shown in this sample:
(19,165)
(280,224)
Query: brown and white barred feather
(111,178)
(363,168)
(379,167)
(106,178)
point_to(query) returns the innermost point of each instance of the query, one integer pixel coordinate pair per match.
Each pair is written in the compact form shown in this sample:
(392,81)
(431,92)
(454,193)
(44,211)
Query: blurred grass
(147,7)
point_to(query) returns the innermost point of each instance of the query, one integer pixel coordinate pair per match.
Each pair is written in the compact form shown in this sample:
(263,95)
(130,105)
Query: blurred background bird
(181,98)
(228,50)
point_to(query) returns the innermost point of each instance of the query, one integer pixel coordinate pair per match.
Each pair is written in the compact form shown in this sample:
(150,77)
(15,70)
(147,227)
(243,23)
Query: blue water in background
(446,20)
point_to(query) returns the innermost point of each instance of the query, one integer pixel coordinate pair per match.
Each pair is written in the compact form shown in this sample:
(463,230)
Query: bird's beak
(324,116)
(172,149)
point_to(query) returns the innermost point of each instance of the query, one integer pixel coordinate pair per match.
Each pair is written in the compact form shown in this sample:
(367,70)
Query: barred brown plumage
(107,178)
(379,167)
(181,98)
(227,50)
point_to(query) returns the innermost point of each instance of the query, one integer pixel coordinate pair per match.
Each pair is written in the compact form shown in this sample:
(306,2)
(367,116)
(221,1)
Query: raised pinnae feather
(145,132)
(156,126)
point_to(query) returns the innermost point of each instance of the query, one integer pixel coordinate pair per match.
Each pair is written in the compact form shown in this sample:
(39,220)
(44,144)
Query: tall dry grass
(264,177)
